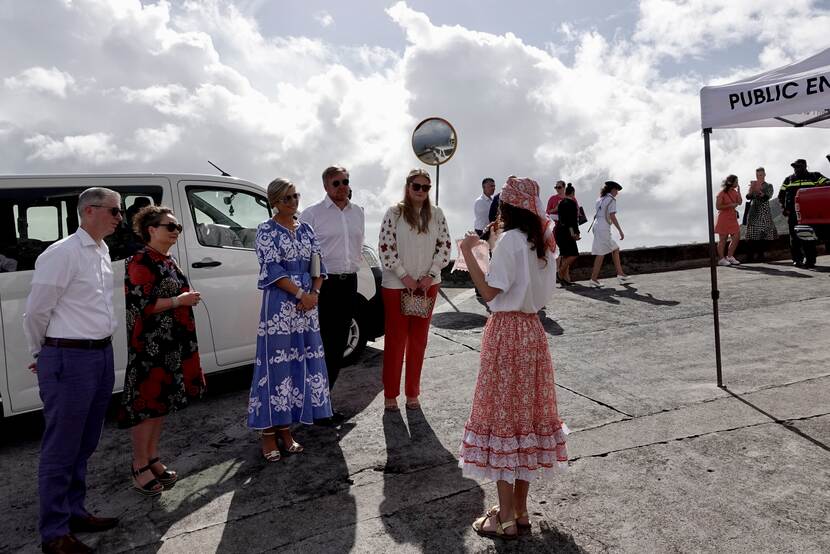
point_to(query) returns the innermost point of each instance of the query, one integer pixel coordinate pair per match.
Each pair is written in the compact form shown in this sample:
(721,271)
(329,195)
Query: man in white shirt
(338,224)
(69,322)
(481,208)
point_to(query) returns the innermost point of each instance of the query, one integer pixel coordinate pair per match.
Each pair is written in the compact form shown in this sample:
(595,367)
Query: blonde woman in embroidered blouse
(414,247)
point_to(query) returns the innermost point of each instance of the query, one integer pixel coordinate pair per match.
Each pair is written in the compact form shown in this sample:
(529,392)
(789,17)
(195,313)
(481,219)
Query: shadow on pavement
(551,326)
(610,295)
(773,271)
(783,423)
(458,321)
(426,501)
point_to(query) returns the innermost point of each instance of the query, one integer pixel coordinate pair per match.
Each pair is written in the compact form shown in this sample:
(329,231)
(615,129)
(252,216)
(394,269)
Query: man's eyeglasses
(169,226)
(344,182)
(289,197)
(417,187)
(115,210)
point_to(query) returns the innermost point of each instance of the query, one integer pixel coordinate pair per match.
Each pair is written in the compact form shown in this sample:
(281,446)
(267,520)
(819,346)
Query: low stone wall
(649,260)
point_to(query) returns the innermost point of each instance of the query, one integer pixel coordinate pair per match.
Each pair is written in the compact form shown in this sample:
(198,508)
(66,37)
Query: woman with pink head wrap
(514,433)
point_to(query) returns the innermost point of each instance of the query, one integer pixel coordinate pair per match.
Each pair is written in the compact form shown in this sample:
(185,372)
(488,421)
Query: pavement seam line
(595,401)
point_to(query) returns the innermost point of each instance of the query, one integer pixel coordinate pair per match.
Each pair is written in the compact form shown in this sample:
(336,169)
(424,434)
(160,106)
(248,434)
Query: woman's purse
(581,218)
(416,303)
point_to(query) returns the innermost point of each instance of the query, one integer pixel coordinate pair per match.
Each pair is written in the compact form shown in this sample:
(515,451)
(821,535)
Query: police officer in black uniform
(803,252)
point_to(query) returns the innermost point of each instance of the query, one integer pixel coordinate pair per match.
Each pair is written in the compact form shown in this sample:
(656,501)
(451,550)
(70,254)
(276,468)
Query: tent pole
(713,266)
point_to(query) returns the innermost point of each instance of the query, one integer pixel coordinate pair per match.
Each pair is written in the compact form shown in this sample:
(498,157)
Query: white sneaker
(595,284)
(732,260)
(623,278)
(724,262)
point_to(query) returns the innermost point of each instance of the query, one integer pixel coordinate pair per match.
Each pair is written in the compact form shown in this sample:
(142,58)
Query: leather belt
(86,344)
(341,276)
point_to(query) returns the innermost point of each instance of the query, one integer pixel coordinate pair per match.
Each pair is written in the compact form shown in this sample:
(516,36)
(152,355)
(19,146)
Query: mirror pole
(437,179)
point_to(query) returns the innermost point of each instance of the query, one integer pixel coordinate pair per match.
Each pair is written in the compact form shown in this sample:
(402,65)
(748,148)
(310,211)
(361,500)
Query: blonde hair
(277,189)
(418,221)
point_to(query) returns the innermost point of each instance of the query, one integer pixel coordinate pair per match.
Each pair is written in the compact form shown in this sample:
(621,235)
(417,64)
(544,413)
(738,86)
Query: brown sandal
(521,527)
(271,455)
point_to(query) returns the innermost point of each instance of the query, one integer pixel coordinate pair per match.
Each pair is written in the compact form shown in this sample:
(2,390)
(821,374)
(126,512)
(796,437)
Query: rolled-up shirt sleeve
(53,273)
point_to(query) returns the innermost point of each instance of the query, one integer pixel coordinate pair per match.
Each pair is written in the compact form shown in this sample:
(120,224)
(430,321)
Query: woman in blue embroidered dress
(290,382)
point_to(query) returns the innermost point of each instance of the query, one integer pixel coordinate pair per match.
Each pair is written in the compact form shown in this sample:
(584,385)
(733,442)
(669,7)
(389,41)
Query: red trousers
(404,335)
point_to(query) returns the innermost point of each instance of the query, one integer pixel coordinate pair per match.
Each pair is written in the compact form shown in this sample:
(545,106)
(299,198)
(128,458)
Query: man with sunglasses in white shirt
(338,224)
(69,322)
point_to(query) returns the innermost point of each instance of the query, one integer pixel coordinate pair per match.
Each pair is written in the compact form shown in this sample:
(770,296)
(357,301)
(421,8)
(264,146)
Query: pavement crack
(449,338)
(600,402)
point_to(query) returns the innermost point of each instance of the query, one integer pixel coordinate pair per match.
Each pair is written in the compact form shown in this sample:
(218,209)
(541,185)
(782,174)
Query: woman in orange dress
(726,225)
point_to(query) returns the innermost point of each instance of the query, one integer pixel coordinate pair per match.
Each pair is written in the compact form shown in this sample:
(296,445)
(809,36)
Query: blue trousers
(75,387)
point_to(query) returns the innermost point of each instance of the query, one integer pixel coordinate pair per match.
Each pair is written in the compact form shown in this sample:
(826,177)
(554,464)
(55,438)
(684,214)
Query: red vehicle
(812,205)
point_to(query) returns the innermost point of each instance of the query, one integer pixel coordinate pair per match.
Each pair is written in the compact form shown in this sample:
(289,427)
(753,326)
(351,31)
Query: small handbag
(416,303)
(581,218)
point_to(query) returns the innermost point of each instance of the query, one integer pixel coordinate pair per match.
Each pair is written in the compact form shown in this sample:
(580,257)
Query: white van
(216,251)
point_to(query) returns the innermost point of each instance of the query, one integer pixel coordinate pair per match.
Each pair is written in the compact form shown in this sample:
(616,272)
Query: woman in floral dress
(290,382)
(514,432)
(163,369)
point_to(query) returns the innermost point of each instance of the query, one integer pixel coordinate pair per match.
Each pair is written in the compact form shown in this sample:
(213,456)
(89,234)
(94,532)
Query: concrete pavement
(662,459)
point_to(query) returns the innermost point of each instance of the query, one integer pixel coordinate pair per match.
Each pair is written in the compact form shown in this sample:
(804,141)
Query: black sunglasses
(417,187)
(288,197)
(114,210)
(169,226)
(344,182)
(557,187)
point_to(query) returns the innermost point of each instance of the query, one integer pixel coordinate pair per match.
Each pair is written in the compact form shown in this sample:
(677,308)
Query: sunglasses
(417,187)
(558,187)
(344,182)
(115,211)
(170,226)
(289,197)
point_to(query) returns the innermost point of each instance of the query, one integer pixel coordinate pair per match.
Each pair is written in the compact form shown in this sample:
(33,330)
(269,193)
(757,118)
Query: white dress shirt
(71,294)
(481,209)
(340,233)
(526,282)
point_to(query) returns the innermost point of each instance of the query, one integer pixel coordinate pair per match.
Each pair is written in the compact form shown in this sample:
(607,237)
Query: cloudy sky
(547,89)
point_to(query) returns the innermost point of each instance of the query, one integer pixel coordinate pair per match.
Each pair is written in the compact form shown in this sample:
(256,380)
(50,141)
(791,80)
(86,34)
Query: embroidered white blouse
(404,251)
(526,282)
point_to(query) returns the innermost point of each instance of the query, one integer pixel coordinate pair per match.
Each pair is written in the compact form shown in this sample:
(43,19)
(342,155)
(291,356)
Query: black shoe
(91,524)
(336,419)
(66,544)
(810,265)
(798,264)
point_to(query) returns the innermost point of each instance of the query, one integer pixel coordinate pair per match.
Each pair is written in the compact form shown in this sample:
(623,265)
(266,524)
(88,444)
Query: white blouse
(404,251)
(526,282)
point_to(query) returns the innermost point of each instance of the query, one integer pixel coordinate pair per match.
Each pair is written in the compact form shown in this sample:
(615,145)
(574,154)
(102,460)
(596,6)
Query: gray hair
(95,195)
(277,189)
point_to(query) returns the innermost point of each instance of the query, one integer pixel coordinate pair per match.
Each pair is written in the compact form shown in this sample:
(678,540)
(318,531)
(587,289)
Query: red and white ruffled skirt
(514,431)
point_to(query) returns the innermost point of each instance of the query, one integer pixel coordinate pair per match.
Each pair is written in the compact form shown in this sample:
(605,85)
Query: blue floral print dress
(290,382)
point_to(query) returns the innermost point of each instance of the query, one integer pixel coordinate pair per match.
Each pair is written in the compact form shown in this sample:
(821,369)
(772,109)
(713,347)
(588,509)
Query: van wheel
(355,343)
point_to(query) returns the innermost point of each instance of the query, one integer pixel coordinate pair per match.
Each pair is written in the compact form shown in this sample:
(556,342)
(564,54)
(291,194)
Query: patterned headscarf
(524,193)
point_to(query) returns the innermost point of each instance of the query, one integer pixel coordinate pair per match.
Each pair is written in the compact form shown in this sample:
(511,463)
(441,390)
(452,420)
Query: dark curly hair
(149,216)
(528,223)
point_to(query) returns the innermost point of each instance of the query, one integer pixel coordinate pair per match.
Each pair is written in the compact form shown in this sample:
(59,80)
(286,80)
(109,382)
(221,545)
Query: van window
(226,218)
(32,218)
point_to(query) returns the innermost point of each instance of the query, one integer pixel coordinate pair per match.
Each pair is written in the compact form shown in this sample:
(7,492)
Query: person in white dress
(606,216)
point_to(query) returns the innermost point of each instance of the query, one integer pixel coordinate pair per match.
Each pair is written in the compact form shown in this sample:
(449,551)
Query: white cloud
(95,149)
(53,81)
(324,18)
(167,86)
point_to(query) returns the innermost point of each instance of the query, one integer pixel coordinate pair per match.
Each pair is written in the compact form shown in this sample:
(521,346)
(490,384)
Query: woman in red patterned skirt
(514,433)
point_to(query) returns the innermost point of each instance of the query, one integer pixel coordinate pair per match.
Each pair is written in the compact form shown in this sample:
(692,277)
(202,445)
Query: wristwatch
(316,291)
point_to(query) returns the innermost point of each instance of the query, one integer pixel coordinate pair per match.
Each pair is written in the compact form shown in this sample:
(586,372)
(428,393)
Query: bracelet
(316,291)
(175,302)
(299,294)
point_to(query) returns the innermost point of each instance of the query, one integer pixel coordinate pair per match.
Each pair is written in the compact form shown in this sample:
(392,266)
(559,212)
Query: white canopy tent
(796,95)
